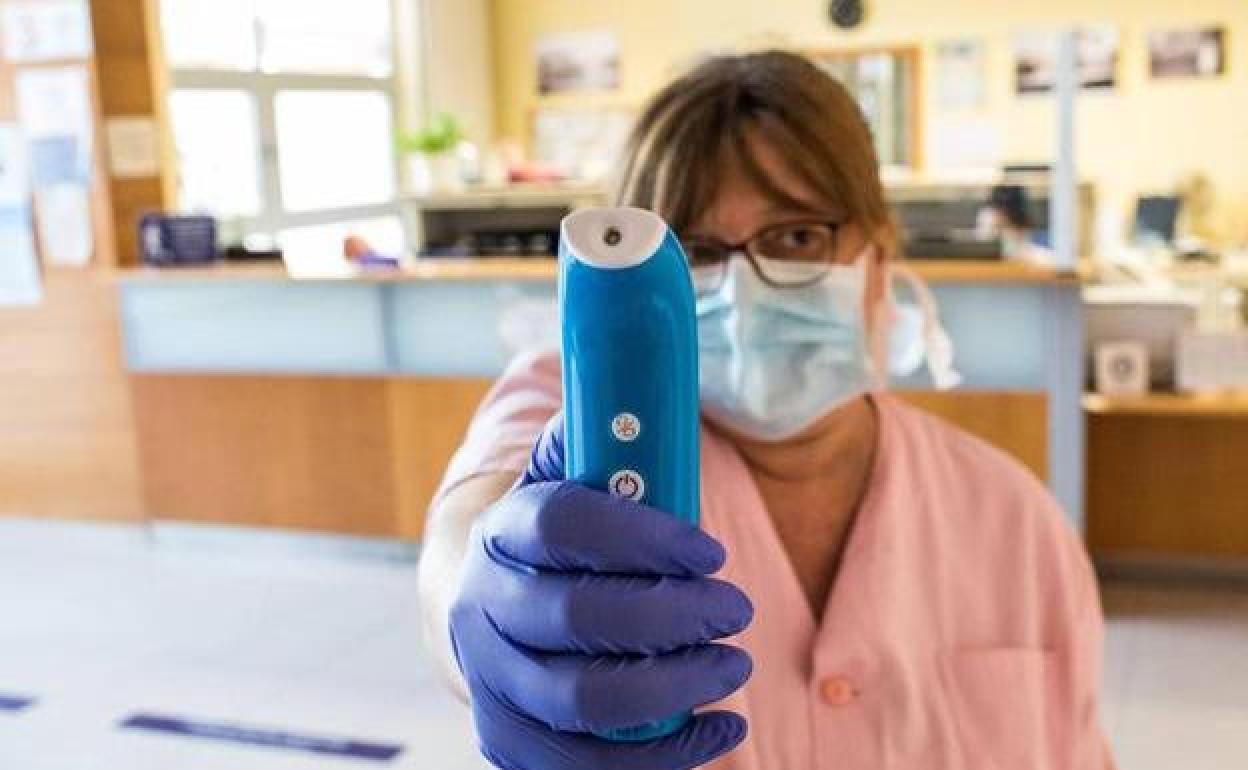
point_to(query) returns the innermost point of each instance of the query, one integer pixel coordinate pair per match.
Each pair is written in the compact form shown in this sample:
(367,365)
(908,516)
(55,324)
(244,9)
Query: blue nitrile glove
(580,613)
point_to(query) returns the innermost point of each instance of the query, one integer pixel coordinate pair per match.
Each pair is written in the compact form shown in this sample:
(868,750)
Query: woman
(918,600)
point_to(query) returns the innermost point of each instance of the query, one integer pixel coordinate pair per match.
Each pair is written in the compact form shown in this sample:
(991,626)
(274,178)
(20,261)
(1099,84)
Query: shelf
(459,269)
(990,271)
(1230,404)
(514,196)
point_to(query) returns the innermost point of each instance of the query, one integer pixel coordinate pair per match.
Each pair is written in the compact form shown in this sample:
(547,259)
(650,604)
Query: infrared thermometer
(630,369)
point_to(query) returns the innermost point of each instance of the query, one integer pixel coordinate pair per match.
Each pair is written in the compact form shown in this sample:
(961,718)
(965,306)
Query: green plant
(441,134)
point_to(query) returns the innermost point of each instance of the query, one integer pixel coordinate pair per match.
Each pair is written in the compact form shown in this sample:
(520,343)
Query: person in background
(873,588)
(1005,216)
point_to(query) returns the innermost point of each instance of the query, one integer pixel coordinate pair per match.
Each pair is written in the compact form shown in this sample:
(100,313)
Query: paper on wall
(54,109)
(14,173)
(578,61)
(582,142)
(133,150)
(960,74)
(19,268)
(53,101)
(44,30)
(64,224)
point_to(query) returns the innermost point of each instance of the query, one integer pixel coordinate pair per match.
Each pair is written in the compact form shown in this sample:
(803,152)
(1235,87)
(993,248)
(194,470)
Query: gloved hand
(580,613)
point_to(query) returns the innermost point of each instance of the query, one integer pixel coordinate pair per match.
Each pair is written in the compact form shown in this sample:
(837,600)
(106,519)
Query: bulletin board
(21,281)
(49,89)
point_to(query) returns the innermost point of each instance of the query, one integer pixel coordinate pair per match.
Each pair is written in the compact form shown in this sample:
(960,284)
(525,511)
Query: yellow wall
(1143,137)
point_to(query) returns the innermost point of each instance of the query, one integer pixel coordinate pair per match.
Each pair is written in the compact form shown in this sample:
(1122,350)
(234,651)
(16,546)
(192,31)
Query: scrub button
(627,483)
(625,426)
(837,691)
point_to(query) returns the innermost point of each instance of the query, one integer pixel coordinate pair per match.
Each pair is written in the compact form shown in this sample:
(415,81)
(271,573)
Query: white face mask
(773,361)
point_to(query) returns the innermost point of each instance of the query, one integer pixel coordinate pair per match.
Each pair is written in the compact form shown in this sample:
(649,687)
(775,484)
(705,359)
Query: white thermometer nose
(613,238)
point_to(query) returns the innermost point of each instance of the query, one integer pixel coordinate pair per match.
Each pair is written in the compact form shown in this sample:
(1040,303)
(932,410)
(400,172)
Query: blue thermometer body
(630,369)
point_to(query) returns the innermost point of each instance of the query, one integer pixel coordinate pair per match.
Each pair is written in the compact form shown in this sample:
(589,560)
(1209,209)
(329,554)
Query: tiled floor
(98,624)
(1177,677)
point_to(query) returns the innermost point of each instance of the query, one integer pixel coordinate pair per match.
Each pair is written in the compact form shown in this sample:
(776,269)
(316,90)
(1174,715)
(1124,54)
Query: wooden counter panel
(1016,422)
(353,455)
(1167,485)
(287,452)
(67,444)
(365,455)
(428,418)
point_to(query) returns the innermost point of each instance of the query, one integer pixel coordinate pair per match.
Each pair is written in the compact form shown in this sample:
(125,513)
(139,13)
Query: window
(216,139)
(283,117)
(310,122)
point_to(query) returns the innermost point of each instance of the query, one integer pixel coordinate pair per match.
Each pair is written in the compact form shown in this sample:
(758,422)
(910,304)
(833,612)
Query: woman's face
(741,211)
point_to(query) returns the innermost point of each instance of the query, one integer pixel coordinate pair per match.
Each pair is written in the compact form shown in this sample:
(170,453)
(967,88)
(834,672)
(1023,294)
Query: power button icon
(627,483)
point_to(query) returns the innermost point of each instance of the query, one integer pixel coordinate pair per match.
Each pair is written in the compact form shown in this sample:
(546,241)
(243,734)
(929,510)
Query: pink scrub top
(963,631)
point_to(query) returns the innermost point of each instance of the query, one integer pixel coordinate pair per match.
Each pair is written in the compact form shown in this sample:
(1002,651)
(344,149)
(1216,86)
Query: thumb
(517,742)
(707,736)
(704,738)
(546,461)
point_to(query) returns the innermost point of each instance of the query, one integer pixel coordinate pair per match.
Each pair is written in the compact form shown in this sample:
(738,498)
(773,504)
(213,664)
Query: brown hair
(698,126)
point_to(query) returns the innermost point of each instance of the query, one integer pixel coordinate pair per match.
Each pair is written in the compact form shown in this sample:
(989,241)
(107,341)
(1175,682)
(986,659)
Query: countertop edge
(539,269)
(1227,404)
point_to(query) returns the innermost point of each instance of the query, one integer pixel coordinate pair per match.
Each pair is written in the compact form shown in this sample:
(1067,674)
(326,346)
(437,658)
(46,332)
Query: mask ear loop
(881,320)
(938,348)
(884,315)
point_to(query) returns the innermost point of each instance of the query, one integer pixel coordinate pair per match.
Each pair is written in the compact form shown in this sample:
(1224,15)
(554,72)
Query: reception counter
(1166,481)
(332,403)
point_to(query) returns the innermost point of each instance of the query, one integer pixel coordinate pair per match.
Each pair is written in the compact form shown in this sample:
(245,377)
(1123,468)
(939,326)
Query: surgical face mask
(774,360)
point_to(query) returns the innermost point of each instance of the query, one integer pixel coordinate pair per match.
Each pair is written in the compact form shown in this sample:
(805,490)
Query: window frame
(274,216)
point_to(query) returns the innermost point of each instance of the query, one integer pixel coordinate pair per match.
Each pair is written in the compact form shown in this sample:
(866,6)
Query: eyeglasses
(786,256)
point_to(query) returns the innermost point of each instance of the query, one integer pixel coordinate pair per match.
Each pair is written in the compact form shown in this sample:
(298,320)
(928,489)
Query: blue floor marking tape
(15,702)
(252,736)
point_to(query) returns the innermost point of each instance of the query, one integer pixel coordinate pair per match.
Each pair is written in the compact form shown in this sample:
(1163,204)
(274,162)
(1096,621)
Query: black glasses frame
(749,248)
